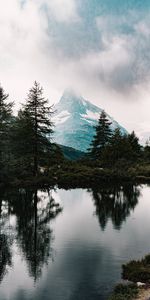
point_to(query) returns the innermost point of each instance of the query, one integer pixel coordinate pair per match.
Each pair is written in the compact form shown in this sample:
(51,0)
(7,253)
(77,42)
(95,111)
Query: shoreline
(144,294)
(75,182)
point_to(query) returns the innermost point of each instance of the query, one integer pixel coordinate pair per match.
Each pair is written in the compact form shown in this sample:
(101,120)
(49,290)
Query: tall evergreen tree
(22,144)
(122,148)
(119,147)
(5,121)
(102,136)
(134,143)
(147,151)
(34,127)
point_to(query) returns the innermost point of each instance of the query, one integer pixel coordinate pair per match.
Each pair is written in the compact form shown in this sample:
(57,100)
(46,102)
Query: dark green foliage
(71,153)
(147,151)
(22,145)
(102,136)
(124,292)
(32,132)
(54,156)
(135,146)
(5,125)
(27,151)
(38,115)
(118,149)
(137,270)
(113,149)
(122,150)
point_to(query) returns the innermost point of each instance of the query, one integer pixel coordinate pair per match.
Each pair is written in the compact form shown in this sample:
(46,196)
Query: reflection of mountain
(115,203)
(33,211)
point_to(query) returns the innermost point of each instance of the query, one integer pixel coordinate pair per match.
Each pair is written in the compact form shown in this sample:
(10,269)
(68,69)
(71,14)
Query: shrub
(124,292)
(137,270)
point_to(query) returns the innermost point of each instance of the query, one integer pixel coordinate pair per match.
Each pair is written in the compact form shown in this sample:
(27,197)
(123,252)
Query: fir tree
(102,136)
(34,127)
(122,148)
(134,143)
(147,150)
(5,121)
(22,144)
(119,146)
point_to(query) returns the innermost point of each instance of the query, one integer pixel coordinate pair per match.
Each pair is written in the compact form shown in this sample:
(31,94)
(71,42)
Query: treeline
(27,149)
(113,148)
(25,139)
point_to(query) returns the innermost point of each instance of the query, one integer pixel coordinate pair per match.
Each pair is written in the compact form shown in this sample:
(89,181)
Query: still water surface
(70,245)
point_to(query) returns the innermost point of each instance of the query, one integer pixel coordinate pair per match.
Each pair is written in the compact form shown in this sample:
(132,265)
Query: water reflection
(33,210)
(5,239)
(115,203)
(5,255)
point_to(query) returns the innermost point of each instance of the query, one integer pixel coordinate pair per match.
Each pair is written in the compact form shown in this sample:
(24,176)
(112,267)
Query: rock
(140,284)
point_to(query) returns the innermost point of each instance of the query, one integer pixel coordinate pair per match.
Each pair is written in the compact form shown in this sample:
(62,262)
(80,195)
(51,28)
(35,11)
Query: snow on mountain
(61,117)
(75,119)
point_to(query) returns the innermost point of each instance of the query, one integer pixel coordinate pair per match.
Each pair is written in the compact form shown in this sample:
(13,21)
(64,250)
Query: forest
(28,154)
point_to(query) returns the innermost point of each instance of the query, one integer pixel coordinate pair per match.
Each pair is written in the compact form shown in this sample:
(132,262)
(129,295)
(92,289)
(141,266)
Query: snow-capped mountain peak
(75,119)
(72,102)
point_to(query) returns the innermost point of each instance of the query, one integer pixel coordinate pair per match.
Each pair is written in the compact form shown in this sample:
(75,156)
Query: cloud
(27,50)
(105,57)
(133,30)
(24,43)
(63,10)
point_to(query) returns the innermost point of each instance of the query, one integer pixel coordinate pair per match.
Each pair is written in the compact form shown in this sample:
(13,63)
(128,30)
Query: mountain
(71,153)
(75,119)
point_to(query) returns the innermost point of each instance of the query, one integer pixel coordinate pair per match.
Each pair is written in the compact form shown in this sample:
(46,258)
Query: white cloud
(115,76)
(105,62)
(63,10)
(27,51)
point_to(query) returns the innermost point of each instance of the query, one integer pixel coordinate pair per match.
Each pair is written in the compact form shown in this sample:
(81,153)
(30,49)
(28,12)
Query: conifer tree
(5,121)
(36,128)
(119,146)
(134,143)
(102,136)
(123,148)
(147,150)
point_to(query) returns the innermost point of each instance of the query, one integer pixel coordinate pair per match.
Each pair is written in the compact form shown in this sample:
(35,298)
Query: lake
(70,244)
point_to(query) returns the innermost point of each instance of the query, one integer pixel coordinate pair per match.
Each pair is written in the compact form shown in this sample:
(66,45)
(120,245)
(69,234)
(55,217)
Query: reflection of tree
(33,233)
(33,210)
(5,239)
(115,203)
(5,255)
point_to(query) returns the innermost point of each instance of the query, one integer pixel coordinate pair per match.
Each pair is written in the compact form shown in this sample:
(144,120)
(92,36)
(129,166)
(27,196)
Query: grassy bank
(137,270)
(134,271)
(72,175)
(124,292)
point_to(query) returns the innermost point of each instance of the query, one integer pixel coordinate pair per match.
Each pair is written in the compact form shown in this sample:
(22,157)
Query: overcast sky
(101,48)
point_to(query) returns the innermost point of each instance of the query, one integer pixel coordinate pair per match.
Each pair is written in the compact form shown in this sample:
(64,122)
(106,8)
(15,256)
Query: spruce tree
(122,148)
(119,146)
(22,144)
(36,128)
(102,136)
(134,143)
(147,151)
(5,122)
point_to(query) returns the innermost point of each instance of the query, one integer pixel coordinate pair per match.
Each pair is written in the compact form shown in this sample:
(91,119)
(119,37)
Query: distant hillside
(71,153)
